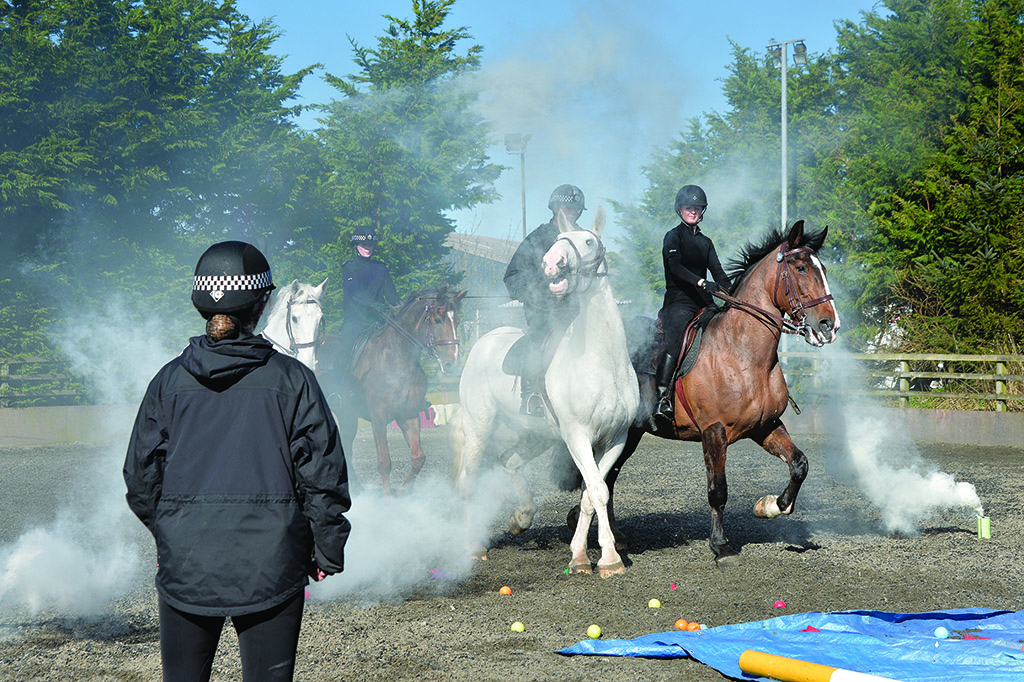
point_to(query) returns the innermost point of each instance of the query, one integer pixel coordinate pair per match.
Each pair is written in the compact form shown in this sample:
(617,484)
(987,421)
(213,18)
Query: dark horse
(736,389)
(391,385)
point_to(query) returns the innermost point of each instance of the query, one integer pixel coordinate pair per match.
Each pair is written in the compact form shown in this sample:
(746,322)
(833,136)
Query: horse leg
(632,441)
(777,442)
(594,500)
(715,443)
(522,517)
(380,440)
(468,449)
(347,427)
(411,431)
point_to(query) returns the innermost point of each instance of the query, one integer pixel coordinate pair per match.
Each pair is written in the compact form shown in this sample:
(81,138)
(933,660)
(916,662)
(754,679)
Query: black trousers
(267,641)
(674,318)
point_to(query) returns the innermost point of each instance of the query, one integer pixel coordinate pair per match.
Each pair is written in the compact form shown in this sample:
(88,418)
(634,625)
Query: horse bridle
(431,343)
(580,268)
(795,298)
(318,336)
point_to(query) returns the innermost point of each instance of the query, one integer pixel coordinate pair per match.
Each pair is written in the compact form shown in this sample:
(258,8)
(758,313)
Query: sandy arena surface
(830,555)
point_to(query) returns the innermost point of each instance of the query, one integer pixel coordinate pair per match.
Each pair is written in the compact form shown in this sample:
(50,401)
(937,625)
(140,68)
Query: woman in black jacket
(235,467)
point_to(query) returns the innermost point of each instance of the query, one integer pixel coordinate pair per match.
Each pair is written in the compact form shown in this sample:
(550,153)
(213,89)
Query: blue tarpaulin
(983,645)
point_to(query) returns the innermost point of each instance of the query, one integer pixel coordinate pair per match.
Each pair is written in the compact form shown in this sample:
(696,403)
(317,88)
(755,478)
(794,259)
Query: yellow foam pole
(795,670)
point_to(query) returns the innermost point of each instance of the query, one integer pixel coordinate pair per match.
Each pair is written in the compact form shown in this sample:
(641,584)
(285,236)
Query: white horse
(591,389)
(294,321)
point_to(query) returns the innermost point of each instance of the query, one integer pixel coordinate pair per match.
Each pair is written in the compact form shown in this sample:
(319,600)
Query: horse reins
(430,344)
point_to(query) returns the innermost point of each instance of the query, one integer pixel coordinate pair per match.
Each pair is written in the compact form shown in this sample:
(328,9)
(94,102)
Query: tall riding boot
(663,383)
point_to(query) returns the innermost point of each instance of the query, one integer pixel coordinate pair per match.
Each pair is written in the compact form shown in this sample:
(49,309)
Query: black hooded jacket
(236,468)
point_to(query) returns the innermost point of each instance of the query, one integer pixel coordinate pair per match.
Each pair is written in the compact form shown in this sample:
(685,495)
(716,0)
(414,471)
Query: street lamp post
(778,52)
(515,143)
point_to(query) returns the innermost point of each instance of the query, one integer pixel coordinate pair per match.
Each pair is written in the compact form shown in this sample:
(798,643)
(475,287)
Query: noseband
(430,343)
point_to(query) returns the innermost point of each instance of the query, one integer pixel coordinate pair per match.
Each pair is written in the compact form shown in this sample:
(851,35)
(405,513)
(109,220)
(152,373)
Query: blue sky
(598,85)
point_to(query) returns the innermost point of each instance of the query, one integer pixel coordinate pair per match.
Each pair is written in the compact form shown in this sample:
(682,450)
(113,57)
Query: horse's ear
(460,295)
(796,234)
(563,223)
(320,289)
(598,227)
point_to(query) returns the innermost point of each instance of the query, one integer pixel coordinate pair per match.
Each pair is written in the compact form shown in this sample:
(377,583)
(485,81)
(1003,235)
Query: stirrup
(533,406)
(665,409)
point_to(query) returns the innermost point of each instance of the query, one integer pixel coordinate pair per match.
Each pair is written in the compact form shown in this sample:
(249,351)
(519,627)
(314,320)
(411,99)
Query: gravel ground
(830,555)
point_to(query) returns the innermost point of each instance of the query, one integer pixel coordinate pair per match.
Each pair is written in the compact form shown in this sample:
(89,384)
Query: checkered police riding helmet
(231,277)
(363,235)
(567,195)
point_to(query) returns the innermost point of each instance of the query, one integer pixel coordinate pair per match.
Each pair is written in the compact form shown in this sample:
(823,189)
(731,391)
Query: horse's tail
(458,444)
(564,472)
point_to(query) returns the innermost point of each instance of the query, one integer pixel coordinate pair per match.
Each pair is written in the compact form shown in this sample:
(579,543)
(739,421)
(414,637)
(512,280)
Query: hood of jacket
(224,362)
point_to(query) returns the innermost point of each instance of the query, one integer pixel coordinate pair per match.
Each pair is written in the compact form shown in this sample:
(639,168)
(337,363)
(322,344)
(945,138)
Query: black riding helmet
(691,195)
(567,195)
(230,278)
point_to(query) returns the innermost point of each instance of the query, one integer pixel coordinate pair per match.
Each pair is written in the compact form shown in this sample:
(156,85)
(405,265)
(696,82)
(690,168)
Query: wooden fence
(927,380)
(32,382)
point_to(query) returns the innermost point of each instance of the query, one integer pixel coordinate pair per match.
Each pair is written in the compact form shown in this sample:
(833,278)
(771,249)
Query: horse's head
(576,257)
(784,272)
(295,323)
(801,288)
(438,325)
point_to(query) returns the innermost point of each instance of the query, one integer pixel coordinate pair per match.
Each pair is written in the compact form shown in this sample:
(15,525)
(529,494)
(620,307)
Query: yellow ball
(594,631)
(654,604)
(518,627)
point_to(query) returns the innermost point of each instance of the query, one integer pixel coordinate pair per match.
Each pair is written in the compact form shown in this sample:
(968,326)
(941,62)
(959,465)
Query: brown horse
(391,385)
(735,388)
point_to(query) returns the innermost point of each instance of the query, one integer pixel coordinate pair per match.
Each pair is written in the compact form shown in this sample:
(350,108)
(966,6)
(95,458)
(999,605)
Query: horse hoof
(726,556)
(767,508)
(611,569)
(479,555)
(514,527)
(580,569)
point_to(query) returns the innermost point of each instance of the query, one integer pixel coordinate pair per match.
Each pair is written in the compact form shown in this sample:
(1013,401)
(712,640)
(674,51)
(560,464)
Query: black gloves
(710,287)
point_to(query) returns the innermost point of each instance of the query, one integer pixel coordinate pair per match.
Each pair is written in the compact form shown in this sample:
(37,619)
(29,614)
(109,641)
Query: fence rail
(929,380)
(38,381)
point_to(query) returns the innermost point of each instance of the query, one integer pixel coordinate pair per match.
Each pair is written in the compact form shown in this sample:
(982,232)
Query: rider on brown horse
(525,281)
(688,255)
(368,290)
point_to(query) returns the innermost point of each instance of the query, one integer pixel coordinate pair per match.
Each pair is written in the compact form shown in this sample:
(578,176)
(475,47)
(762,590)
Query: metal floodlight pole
(515,143)
(800,57)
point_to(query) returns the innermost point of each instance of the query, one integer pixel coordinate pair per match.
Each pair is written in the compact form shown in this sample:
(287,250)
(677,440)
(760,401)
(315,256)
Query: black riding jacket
(688,255)
(236,467)
(366,284)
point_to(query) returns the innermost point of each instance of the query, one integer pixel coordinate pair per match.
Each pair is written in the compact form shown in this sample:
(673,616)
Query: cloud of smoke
(882,461)
(88,556)
(421,539)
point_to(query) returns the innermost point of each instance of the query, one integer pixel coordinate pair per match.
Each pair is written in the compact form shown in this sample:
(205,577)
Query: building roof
(491,248)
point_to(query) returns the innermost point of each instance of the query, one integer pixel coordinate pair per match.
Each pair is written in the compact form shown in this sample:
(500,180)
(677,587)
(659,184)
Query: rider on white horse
(524,278)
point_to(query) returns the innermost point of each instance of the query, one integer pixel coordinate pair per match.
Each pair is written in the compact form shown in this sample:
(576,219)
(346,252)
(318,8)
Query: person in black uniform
(688,254)
(368,290)
(524,278)
(235,466)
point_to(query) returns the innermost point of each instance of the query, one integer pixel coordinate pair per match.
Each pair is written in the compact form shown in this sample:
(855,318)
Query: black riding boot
(663,383)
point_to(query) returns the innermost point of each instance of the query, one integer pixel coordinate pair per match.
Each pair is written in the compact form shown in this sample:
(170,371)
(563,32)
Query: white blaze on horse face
(828,292)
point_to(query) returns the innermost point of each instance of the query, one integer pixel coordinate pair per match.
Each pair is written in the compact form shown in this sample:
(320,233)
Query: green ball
(594,631)
(518,627)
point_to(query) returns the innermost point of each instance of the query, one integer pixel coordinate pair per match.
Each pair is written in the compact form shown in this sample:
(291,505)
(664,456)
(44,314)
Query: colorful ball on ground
(682,623)
(505,589)
(517,627)
(941,632)
(654,604)
(594,631)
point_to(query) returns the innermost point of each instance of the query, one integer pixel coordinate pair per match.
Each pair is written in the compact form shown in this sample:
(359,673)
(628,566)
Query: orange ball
(682,624)
(693,626)
(505,589)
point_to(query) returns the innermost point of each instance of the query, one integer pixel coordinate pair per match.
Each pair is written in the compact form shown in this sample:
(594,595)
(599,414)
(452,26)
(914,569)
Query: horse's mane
(753,252)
